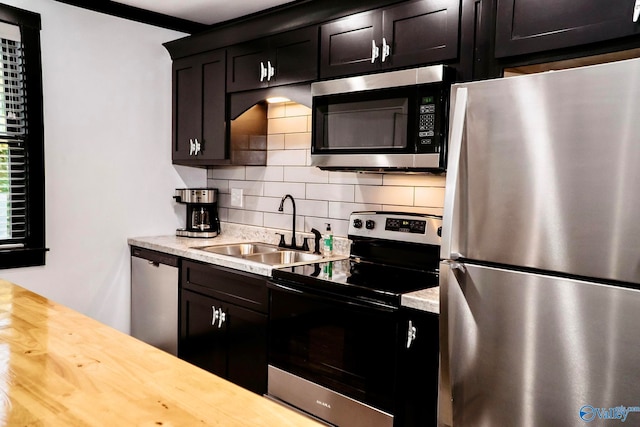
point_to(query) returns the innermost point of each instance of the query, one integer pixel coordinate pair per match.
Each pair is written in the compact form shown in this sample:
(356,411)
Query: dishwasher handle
(155,258)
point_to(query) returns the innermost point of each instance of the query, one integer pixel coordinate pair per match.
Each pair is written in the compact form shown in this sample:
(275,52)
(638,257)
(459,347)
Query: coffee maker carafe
(202,212)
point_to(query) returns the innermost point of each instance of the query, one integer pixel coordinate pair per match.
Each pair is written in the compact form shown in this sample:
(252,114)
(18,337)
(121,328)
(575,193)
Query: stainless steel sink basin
(241,249)
(283,257)
(263,253)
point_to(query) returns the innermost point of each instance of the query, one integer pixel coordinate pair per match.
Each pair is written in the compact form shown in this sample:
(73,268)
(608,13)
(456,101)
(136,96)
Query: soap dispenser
(327,242)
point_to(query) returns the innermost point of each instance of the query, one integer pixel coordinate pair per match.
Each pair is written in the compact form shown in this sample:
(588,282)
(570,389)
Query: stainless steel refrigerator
(540,307)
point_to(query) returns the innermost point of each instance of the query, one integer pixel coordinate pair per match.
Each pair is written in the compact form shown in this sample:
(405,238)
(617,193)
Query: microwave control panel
(429,122)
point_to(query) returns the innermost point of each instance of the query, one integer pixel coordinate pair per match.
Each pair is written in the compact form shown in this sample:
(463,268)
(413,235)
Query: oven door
(331,356)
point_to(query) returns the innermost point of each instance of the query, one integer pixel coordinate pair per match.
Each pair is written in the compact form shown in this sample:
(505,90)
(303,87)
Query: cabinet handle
(386,49)
(214,315)
(375,51)
(197,147)
(271,71)
(636,11)
(411,334)
(192,147)
(221,318)
(263,71)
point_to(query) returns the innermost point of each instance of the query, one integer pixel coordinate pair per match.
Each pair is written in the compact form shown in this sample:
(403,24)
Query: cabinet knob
(271,71)
(221,318)
(636,11)
(386,49)
(375,51)
(411,334)
(197,147)
(214,315)
(192,147)
(263,71)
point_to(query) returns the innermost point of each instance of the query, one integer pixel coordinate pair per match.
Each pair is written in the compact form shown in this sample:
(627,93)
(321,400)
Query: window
(22,235)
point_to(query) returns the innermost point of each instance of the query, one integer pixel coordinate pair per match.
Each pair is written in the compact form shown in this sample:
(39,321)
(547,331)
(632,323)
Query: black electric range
(391,254)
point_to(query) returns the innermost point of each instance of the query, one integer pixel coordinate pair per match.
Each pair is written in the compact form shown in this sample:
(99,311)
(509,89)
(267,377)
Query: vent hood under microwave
(393,121)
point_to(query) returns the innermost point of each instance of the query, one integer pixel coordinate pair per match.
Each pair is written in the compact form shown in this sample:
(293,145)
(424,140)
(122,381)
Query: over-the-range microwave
(393,121)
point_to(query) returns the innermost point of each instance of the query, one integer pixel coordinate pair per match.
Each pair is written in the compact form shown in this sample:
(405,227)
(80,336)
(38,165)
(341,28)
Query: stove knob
(370,224)
(357,223)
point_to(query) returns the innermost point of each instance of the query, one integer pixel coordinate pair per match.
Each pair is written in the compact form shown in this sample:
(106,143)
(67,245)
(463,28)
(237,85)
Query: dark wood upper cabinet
(528,26)
(282,59)
(199,109)
(411,33)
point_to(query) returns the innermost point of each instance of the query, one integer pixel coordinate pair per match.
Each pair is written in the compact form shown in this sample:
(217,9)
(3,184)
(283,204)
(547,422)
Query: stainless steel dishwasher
(154,298)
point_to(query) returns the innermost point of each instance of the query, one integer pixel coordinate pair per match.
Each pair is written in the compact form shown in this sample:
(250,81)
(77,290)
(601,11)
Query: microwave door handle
(375,51)
(453,172)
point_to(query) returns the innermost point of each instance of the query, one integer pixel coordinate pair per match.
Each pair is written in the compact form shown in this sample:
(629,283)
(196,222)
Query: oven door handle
(333,298)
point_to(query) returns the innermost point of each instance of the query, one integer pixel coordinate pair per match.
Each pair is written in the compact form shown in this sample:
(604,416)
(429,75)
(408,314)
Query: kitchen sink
(241,249)
(283,257)
(263,253)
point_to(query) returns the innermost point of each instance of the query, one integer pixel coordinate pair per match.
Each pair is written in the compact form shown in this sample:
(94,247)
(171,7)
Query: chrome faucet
(293,227)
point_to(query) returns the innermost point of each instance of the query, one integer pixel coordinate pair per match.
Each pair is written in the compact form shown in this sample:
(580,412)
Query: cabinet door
(295,55)
(347,46)
(525,26)
(247,66)
(247,351)
(420,32)
(203,342)
(418,364)
(199,109)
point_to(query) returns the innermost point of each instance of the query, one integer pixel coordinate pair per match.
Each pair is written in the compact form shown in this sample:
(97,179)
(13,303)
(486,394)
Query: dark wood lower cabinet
(418,364)
(220,336)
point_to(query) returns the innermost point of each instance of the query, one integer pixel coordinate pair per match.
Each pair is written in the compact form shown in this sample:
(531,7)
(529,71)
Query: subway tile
(276,110)
(283,221)
(275,141)
(413,209)
(251,188)
(231,172)
(286,157)
(262,204)
(240,216)
(384,195)
(305,174)
(223,214)
(287,125)
(293,109)
(221,184)
(297,141)
(414,180)
(342,210)
(279,189)
(224,200)
(313,208)
(355,178)
(429,197)
(265,173)
(330,192)
(309,124)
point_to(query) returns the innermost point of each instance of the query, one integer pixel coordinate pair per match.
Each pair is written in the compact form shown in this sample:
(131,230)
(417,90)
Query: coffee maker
(202,212)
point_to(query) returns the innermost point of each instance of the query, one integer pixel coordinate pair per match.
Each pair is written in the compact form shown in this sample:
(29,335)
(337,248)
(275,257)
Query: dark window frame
(34,250)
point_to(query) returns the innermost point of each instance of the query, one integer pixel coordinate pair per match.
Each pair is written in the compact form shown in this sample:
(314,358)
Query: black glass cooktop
(361,280)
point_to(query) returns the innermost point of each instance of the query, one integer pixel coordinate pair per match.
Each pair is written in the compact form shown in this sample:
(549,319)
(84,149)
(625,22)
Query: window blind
(13,140)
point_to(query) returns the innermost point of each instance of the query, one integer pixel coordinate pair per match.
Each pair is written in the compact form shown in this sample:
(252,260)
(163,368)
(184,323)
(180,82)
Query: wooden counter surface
(61,368)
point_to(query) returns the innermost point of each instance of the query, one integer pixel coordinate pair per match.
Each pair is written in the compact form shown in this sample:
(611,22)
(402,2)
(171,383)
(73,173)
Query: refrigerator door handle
(453,171)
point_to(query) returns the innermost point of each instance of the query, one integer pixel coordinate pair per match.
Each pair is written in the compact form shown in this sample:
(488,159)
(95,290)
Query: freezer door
(548,172)
(534,350)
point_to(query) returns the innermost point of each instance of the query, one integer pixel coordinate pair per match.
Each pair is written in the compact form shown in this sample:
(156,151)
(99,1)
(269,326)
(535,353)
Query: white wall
(107,118)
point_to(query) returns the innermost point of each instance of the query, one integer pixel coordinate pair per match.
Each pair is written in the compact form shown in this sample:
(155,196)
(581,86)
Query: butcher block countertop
(61,368)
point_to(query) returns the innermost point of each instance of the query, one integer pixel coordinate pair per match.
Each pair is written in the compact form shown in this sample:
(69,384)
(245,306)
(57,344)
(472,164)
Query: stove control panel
(399,226)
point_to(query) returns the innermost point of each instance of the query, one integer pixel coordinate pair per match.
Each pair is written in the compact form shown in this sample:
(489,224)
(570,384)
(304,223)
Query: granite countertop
(185,247)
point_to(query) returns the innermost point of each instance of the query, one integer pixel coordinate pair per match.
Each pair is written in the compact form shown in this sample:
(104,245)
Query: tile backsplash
(321,196)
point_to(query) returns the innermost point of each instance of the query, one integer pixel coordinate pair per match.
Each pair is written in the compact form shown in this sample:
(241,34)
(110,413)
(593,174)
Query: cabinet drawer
(243,289)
